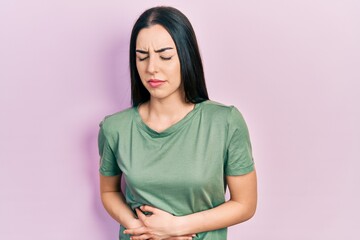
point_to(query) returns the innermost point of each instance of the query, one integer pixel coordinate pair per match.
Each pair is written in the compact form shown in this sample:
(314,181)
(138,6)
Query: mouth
(155,82)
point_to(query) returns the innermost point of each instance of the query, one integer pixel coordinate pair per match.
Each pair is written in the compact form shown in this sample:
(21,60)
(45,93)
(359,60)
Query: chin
(162,93)
(158,96)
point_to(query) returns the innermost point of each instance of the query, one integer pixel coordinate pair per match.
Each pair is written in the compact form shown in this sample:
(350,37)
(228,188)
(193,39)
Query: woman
(176,149)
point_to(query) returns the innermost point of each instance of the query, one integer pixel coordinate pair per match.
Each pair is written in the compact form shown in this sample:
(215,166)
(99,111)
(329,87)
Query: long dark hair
(182,33)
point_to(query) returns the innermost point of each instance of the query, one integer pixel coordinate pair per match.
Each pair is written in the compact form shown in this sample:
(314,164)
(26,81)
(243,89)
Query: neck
(168,107)
(160,114)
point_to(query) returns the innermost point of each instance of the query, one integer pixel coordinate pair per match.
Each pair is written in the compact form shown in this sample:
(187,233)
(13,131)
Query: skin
(157,59)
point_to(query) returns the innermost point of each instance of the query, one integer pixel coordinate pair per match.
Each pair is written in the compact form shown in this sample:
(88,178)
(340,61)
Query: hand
(135,223)
(157,226)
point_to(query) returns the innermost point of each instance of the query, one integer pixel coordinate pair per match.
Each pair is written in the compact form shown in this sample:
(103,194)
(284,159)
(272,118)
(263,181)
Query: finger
(146,208)
(141,237)
(140,215)
(136,231)
(189,236)
(180,238)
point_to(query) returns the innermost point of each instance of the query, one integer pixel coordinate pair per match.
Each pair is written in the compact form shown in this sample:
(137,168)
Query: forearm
(225,215)
(115,205)
(240,207)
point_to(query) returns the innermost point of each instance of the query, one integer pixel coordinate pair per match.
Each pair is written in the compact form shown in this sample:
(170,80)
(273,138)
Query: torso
(180,169)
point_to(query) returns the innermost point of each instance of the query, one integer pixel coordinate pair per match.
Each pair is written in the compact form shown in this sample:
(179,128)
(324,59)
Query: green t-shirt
(180,170)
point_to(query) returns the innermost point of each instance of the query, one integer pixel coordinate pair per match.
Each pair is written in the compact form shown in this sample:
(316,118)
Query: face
(158,63)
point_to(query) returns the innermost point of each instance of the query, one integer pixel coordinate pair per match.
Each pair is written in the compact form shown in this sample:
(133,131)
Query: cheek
(175,69)
(140,70)
(138,67)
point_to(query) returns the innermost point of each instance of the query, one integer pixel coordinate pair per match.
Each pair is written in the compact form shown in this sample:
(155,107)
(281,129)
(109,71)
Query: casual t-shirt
(182,169)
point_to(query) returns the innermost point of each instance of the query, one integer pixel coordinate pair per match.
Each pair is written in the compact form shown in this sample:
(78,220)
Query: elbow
(245,211)
(250,211)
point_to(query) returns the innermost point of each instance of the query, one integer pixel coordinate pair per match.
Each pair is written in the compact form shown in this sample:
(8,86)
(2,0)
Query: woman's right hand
(136,223)
(182,237)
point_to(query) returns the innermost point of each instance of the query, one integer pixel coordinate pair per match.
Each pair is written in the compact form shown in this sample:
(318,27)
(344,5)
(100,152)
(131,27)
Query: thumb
(140,214)
(146,208)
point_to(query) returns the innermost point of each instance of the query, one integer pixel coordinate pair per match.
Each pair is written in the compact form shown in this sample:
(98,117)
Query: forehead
(154,37)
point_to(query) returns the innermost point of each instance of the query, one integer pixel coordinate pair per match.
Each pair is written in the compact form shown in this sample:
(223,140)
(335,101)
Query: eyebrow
(157,51)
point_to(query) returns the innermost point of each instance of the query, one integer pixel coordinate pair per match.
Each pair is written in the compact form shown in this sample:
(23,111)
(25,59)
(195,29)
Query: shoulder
(220,114)
(118,120)
(212,106)
(216,109)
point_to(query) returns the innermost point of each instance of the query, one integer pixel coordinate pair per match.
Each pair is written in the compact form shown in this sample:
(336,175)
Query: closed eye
(142,59)
(165,58)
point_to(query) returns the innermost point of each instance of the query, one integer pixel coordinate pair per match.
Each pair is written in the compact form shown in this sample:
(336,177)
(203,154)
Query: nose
(152,66)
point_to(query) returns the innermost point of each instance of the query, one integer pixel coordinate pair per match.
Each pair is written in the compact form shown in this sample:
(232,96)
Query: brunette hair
(182,33)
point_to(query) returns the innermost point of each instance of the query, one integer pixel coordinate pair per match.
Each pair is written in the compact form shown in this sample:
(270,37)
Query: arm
(114,202)
(240,207)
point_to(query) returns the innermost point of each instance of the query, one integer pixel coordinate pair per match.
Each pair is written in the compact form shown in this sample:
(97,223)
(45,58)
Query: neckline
(173,128)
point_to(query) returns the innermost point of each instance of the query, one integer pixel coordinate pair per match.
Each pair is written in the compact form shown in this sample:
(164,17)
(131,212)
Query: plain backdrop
(292,67)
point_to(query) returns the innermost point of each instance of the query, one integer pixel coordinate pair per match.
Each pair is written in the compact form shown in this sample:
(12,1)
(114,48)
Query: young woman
(176,149)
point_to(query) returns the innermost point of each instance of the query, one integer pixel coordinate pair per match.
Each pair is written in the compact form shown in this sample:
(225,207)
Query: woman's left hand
(157,226)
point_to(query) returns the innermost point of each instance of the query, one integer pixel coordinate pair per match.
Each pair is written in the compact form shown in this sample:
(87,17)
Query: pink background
(291,67)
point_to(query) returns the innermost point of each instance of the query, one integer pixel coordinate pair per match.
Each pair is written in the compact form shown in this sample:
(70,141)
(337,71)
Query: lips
(155,82)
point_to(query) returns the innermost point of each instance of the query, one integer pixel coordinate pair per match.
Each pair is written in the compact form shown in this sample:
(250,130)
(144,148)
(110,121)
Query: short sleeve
(239,159)
(108,163)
